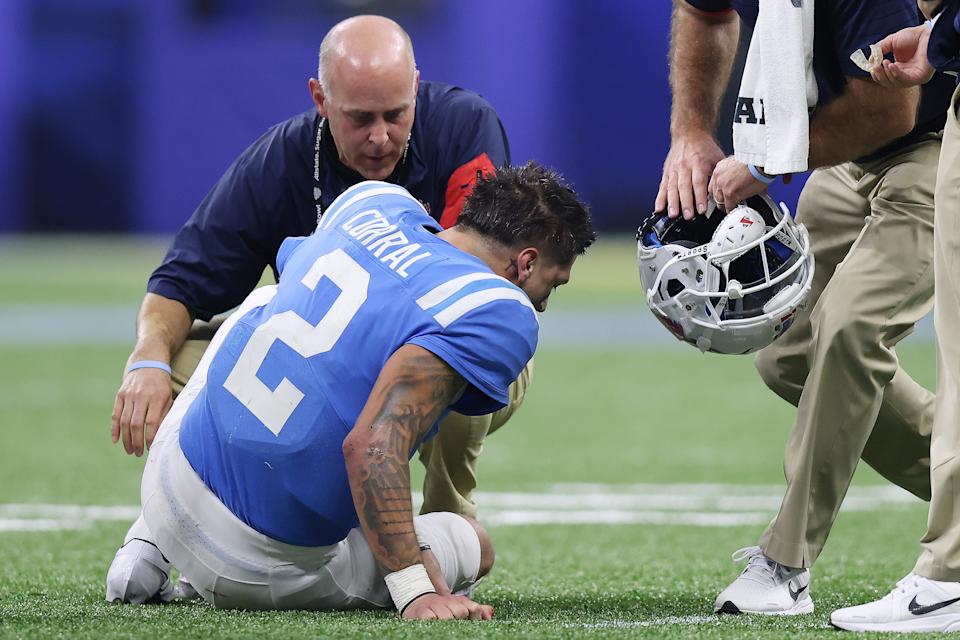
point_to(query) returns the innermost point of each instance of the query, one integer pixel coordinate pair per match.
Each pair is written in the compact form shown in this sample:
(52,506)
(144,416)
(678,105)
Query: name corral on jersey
(382,238)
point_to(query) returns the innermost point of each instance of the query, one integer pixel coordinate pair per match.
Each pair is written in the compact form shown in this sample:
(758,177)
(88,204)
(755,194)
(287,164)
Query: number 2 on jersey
(273,407)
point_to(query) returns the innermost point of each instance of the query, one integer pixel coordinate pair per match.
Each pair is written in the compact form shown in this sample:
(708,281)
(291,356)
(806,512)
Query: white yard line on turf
(695,519)
(68,511)
(708,489)
(671,501)
(41,524)
(700,505)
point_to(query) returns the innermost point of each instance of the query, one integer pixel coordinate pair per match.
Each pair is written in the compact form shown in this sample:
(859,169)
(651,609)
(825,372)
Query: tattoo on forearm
(408,408)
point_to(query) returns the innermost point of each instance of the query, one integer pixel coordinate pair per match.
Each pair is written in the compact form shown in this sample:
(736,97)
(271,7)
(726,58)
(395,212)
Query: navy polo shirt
(840,28)
(267,194)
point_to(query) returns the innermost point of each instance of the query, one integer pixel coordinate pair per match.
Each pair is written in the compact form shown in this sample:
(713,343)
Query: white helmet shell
(729,284)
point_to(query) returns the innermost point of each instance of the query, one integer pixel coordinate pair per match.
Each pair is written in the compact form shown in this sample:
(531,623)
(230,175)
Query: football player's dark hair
(530,205)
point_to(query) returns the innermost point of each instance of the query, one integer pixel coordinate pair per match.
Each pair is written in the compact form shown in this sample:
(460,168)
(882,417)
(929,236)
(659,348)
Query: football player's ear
(526,260)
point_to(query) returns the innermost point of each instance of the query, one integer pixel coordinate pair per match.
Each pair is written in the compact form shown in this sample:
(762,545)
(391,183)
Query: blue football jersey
(290,376)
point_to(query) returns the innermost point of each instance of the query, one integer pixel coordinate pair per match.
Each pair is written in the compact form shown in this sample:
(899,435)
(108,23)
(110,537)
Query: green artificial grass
(610,416)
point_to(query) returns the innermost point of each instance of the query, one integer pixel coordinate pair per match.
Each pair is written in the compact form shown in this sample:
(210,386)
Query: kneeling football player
(280,477)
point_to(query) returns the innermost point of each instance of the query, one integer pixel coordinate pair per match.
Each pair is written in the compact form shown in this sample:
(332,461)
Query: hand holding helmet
(726,283)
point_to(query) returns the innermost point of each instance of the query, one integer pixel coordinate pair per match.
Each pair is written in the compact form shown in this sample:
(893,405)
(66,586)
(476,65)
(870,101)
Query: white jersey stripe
(470,302)
(444,291)
(348,198)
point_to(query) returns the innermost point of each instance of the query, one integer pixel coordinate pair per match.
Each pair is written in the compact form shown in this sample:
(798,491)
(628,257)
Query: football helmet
(727,283)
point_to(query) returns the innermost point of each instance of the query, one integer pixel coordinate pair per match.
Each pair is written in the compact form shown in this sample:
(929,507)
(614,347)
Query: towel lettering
(746,114)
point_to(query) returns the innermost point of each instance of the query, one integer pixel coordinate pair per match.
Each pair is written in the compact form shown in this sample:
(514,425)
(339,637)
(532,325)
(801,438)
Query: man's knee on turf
(487,554)
(461,546)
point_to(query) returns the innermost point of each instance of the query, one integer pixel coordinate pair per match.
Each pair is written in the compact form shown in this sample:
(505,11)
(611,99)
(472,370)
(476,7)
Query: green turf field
(668,459)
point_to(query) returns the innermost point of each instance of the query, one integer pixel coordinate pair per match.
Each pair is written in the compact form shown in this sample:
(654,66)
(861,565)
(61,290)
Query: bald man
(372,119)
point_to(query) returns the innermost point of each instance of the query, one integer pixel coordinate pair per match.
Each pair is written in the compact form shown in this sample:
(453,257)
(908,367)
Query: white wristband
(408,584)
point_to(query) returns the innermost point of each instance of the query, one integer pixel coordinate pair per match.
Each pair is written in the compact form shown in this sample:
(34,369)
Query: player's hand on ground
(686,171)
(142,401)
(434,606)
(911,66)
(732,183)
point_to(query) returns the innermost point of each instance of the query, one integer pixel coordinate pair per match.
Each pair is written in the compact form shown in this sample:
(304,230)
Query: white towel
(771,128)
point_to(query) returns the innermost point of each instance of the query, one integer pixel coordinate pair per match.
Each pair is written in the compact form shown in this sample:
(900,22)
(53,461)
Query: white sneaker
(766,587)
(915,604)
(139,574)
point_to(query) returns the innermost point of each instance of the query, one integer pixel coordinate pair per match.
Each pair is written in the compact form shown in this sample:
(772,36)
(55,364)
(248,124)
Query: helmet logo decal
(672,325)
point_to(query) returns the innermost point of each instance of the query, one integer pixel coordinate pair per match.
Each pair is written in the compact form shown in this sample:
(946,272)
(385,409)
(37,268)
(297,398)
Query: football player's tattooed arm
(145,395)
(413,388)
(863,119)
(702,48)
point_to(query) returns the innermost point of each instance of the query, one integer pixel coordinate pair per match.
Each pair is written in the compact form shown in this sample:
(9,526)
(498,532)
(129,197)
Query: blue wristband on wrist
(150,364)
(759,175)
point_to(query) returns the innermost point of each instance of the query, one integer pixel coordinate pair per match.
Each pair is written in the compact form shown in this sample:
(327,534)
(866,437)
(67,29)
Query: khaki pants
(940,558)
(450,458)
(871,232)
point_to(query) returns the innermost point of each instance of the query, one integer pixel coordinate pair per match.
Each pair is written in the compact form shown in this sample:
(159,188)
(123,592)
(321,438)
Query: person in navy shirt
(373,119)
(868,206)
(280,477)
(928,598)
